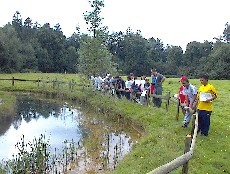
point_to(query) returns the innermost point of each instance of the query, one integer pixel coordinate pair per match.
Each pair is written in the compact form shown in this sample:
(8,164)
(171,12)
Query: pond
(100,141)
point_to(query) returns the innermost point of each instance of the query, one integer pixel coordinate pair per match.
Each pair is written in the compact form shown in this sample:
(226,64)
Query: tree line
(31,47)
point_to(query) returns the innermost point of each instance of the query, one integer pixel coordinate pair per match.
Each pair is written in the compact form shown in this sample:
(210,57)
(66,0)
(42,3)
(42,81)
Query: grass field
(163,137)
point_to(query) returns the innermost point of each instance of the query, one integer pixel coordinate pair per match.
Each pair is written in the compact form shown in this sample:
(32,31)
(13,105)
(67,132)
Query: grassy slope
(163,138)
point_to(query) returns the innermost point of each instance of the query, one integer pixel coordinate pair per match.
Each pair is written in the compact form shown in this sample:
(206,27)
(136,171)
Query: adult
(98,82)
(157,80)
(119,86)
(190,92)
(206,94)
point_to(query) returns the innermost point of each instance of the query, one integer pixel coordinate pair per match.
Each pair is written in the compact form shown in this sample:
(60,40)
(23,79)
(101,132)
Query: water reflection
(99,142)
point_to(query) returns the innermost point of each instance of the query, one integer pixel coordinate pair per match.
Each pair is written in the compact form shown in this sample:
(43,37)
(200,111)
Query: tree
(218,64)
(156,54)
(17,22)
(174,56)
(27,31)
(93,18)
(11,59)
(193,54)
(53,41)
(134,54)
(226,33)
(94,57)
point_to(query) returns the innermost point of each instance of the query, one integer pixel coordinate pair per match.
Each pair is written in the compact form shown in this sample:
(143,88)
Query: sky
(175,22)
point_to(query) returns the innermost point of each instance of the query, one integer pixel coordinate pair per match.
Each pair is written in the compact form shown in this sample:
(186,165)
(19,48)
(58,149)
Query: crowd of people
(140,91)
(133,89)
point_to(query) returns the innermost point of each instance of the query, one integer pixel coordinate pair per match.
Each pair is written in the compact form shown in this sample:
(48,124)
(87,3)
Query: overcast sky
(175,22)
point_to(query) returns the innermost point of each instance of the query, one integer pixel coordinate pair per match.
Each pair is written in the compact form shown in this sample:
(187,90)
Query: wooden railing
(183,159)
(53,82)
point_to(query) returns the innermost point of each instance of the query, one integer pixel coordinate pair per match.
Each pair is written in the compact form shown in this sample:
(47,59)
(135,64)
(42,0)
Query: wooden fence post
(178,109)
(69,85)
(73,84)
(83,86)
(12,81)
(53,84)
(193,124)
(148,98)
(167,102)
(188,141)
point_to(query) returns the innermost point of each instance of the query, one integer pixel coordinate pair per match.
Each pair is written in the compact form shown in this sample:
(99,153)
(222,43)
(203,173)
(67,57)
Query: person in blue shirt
(157,80)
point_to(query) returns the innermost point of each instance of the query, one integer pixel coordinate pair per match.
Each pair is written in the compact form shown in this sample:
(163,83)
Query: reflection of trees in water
(105,144)
(28,107)
(17,121)
(5,122)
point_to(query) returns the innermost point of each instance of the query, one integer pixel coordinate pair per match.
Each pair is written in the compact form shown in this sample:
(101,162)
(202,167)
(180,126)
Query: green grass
(163,137)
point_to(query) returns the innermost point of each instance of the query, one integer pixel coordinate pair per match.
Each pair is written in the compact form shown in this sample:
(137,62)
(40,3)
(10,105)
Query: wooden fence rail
(183,159)
(54,82)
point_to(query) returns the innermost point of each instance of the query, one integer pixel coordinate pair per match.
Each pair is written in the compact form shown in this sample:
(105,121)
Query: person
(128,85)
(190,92)
(97,82)
(181,95)
(157,80)
(132,76)
(144,94)
(134,89)
(119,87)
(147,84)
(206,94)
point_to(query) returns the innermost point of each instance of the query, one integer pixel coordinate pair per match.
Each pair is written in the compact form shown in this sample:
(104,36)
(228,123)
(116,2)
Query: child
(181,95)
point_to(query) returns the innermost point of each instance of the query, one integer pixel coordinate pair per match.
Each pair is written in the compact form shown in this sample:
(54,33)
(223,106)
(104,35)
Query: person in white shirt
(128,85)
(190,92)
(98,82)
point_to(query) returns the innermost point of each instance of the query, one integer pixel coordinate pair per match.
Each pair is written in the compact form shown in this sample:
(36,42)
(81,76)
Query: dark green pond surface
(101,141)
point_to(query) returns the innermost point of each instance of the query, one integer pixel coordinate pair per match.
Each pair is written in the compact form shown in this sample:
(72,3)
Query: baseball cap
(183,78)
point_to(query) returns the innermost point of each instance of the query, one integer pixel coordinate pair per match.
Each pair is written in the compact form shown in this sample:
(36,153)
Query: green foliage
(25,47)
(174,56)
(218,63)
(94,57)
(93,18)
(11,59)
(32,157)
(31,47)
(226,33)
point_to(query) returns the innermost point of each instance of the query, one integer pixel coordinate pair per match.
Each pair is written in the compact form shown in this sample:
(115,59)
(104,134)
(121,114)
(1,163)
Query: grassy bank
(163,137)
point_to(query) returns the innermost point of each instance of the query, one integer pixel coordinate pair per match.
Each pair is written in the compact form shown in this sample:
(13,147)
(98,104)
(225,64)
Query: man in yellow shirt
(206,94)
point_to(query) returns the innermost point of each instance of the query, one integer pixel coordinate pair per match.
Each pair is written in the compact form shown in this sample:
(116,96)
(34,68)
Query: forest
(27,46)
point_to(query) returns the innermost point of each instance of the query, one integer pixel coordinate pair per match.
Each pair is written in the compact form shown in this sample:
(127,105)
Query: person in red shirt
(181,95)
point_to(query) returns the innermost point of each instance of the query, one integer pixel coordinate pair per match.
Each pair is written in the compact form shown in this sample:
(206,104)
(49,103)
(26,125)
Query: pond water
(100,140)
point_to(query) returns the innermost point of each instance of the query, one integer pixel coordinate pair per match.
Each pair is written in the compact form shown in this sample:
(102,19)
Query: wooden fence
(55,83)
(183,159)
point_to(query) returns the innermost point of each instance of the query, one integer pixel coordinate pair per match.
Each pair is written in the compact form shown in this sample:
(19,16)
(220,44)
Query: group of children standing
(192,99)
